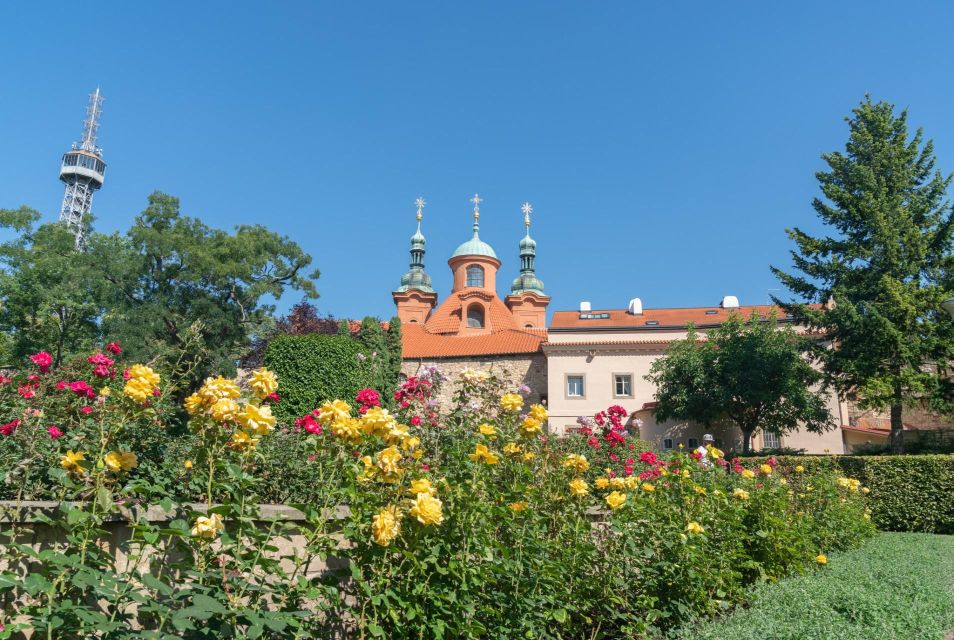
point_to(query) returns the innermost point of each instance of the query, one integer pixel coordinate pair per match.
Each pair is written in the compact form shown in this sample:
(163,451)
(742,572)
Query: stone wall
(528,369)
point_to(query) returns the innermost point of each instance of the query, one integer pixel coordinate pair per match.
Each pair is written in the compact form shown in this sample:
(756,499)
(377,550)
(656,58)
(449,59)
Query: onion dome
(527,281)
(416,278)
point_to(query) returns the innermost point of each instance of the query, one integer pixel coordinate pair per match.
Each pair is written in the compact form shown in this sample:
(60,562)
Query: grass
(898,586)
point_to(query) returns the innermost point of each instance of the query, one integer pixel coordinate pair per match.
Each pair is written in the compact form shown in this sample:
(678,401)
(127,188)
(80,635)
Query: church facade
(473,328)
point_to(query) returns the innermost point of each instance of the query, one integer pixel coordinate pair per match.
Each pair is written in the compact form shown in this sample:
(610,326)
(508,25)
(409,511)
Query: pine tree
(395,357)
(884,266)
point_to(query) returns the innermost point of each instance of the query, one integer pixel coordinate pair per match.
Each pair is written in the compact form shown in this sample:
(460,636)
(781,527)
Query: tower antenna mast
(82,171)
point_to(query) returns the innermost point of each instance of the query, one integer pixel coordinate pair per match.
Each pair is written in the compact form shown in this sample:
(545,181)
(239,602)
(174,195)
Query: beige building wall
(529,369)
(599,361)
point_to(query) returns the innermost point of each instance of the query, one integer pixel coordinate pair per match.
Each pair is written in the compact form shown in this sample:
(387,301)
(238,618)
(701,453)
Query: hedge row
(908,493)
(314,368)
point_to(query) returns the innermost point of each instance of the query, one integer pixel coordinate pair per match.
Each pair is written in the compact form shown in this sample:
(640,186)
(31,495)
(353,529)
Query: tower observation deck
(82,170)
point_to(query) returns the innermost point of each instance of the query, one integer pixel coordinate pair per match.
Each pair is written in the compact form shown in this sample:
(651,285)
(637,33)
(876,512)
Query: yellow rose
(242,441)
(799,469)
(422,485)
(387,462)
(601,483)
(865,490)
(207,527)
(138,390)
(578,487)
(765,470)
(386,525)
(377,421)
(530,426)
(331,412)
(257,420)
(214,388)
(426,509)
(821,558)
(104,392)
(713,453)
(487,429)
(187,464)
(741,494)
(539,413)
(528,456)
(632,482)
(398,434)
(71,461)
(576,462)
(518,506)
(511,402)
(194,404)
(618,483)
(648,487)
(225,409)
(700,490)
(615,500)
(512,449)
(347,428)
(120,461)
(747,473)
(409,444)
(263,382)
(694,527)
(483,454)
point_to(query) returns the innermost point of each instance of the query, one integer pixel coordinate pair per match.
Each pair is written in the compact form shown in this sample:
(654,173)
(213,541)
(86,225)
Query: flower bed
(472,523)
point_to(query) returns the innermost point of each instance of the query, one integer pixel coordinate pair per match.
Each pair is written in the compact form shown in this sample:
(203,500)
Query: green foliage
(52,295)
(395,356)
(751,373)
(897,586)
(314,368)
(171,289)
(908,493)
(887,265)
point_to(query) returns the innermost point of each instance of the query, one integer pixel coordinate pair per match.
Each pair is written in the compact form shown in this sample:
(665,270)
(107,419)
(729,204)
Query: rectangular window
(574,386)
(667,443)
(622,385)
(770,440)
(693,443)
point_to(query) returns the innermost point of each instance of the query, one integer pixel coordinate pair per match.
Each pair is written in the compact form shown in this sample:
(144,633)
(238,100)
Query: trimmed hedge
(315,367)
(908,493)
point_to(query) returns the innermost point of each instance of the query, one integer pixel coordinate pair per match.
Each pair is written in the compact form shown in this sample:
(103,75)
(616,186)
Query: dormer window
(475,276)
(475,314)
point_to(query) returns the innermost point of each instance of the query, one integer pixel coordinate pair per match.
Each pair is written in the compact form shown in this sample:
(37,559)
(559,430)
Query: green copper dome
(475,247)
(527,283)
(416,277)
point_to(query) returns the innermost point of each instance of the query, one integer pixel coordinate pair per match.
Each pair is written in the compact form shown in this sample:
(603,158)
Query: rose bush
(468,523)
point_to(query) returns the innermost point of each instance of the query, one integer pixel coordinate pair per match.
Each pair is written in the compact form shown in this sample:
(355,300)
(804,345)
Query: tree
(395,354)
(750,373)
(372,336)
(173,277)
(886,265)
(51,297)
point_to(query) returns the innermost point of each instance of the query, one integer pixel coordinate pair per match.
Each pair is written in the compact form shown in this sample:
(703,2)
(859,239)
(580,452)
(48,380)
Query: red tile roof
(671,318)
(437,337)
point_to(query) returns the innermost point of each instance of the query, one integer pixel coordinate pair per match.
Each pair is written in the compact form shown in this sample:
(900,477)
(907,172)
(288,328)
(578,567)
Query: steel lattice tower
(82,170)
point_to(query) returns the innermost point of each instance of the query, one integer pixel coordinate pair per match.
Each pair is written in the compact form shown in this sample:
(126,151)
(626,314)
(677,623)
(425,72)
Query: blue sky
(665,147)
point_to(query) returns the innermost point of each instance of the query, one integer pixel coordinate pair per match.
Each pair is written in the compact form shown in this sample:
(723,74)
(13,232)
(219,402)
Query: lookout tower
(82,170)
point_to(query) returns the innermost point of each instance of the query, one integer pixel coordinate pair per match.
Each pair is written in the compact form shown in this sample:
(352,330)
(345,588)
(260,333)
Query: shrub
(314,368)
(908,492)
(470,524)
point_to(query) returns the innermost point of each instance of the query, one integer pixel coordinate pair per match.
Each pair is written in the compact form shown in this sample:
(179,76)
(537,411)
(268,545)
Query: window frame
(778,440)
(668,447)
(476,306)
(476,269)
(631,393)
(566,386)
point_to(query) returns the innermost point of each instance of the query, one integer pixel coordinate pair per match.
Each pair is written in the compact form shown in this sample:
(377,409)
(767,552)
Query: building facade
(473,328)
(600,358)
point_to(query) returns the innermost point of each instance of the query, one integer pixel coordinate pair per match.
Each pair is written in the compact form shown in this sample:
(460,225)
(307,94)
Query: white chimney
(636,307)
(585,306)
(729,302)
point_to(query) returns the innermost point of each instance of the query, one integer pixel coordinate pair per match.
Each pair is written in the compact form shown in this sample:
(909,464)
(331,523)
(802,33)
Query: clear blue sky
(664,146)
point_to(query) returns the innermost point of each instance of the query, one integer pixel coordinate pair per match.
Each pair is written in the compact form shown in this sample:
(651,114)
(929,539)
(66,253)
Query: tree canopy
(886,264)
(170,285)
(750,373)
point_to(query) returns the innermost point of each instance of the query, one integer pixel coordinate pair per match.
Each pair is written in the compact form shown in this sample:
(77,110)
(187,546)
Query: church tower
(527,301)
(415,298)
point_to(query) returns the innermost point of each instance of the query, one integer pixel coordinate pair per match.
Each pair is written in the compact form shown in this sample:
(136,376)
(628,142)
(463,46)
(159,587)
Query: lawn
(898,586)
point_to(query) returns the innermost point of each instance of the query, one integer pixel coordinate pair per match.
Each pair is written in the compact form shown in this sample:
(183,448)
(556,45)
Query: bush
(314,368)
(469,524)
(908,493)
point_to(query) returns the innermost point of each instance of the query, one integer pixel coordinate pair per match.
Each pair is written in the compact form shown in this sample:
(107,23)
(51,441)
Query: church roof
(437,337)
